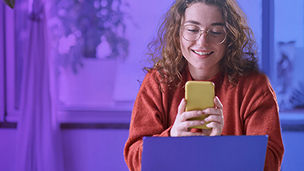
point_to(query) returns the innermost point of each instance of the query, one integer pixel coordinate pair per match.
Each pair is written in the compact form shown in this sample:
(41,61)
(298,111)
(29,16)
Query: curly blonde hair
(240,56)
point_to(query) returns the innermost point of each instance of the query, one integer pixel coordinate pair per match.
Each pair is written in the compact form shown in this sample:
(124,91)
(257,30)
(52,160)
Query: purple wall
(7,149)
(96,150)
(92,150)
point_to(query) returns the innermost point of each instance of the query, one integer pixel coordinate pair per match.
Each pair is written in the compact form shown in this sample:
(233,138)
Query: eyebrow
(197,23)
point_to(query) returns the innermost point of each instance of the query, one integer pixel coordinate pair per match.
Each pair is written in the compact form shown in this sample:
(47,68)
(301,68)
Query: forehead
(203,14)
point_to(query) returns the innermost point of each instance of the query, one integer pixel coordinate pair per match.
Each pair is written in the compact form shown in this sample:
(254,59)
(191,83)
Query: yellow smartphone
(199,96)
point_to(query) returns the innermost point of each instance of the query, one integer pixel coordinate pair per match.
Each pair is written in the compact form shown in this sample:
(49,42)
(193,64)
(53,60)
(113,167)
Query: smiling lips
(202,53)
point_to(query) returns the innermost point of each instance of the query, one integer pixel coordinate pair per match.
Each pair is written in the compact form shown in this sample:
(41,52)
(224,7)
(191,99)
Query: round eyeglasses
(214,34)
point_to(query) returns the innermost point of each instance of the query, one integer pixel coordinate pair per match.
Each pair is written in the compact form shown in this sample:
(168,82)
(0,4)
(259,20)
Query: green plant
(10,3)
(90,29)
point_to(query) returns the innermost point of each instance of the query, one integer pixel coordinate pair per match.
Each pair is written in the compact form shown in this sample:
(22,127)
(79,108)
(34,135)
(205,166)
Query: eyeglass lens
(214,34)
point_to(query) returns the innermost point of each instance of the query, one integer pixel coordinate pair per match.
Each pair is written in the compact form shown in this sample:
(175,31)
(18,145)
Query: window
(281,47)
(88,40)
(253,11)
(288,77)
(98,74)
(8,66)
(101,82)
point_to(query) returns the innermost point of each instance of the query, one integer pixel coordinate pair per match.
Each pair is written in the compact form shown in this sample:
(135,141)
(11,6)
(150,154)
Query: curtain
(38,142)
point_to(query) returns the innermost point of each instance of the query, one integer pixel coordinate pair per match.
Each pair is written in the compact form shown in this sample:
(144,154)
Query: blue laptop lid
(204,153)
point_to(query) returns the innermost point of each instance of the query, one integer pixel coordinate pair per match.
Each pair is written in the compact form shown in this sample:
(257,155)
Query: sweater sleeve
(147,120)
(262,118)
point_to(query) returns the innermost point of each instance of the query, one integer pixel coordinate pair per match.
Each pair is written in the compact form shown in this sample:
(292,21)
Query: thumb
(218,103)
(182,106)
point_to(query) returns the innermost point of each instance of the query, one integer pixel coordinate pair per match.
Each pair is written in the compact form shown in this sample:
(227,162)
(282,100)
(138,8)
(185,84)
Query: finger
(216,128)
(191,114)
(213,111)
(182,106)
(206,132)
(193,134)
(188,124)
(214,118)
(218,103)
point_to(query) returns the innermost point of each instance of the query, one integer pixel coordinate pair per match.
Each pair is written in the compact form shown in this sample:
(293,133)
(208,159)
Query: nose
(203,37)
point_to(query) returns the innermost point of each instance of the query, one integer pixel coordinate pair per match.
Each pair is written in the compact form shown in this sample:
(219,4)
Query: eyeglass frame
(201,31)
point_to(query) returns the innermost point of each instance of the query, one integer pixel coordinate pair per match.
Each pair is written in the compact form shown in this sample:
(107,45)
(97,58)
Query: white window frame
(2,78)
(12,114)
(69,114)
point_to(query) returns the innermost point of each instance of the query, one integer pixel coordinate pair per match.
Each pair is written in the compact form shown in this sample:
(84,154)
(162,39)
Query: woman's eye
(216,32)
(193,30)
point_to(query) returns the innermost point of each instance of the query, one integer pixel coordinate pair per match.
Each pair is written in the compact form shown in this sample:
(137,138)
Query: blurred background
(70,71)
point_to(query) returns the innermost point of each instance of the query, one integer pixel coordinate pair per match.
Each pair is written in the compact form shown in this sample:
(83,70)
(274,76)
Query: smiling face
(204,53)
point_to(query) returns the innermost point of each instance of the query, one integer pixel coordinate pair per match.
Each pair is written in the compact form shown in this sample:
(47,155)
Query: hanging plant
(10,3)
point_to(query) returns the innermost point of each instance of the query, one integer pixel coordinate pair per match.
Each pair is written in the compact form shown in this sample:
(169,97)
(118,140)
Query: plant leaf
(10,3)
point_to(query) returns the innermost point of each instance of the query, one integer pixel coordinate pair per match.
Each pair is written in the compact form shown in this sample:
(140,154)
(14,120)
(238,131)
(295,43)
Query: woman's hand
(182,124)
(215,118)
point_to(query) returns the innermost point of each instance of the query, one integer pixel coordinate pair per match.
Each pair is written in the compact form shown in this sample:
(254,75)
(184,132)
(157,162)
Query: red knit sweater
(249,108)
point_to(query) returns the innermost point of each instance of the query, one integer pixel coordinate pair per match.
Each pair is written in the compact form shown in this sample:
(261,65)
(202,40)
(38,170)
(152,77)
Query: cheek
(184,46)
(221,50)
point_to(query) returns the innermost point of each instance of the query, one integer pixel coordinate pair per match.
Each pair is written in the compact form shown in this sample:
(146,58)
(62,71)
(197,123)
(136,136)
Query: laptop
(199,153)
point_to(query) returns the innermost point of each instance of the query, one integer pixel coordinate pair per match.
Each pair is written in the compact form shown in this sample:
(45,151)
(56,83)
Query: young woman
(205,40)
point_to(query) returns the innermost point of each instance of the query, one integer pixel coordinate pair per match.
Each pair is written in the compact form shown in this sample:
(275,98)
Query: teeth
(202,53)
